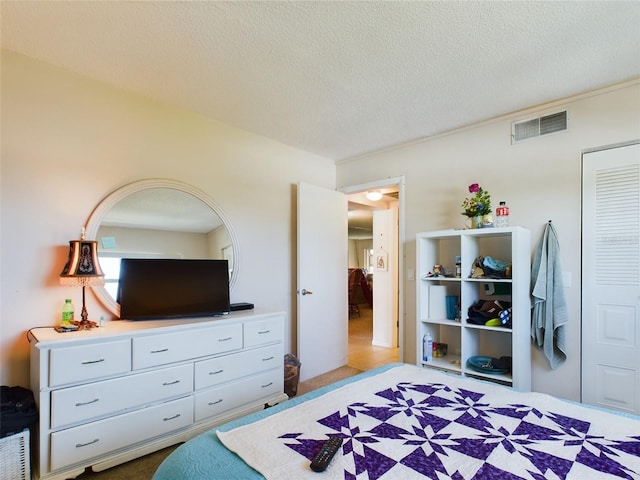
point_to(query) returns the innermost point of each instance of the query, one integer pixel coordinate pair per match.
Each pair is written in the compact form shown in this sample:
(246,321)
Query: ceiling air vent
(555,122)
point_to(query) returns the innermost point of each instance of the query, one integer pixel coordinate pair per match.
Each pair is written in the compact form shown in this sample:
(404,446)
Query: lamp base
(86,325)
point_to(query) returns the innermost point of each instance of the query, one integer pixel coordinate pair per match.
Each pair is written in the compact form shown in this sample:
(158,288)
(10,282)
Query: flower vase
(474,222)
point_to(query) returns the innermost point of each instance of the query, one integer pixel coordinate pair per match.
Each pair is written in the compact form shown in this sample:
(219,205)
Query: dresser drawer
(229,396)
(78,444)
(229,367)
(76,404)
(260,332)
(154,350)
(88,362)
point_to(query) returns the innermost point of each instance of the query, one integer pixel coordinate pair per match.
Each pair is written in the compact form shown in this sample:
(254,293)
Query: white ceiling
(337,78)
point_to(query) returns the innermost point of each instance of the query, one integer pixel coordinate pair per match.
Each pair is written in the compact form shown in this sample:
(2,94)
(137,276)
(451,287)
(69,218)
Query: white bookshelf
(464,339)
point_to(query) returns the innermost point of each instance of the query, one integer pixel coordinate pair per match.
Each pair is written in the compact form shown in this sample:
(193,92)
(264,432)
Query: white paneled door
(323,330)
(611,278)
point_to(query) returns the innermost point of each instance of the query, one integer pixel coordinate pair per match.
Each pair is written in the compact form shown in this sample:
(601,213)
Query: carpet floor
(143,468)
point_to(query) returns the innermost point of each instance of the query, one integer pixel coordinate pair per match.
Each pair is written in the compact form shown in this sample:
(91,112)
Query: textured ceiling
(337,78)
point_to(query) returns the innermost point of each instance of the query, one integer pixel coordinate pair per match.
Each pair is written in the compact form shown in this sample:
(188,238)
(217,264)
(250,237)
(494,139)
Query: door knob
(304,291)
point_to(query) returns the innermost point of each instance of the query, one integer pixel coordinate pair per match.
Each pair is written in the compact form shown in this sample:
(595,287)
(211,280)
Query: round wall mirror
(157,218)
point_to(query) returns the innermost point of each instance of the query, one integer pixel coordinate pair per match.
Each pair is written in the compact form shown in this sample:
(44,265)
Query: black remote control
(323,458)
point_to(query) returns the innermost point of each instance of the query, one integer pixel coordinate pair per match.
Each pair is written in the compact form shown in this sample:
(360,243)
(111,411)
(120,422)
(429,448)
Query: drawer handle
(81,404)
(170,383)
(80,445)
(267,359)
(263,332)
(160,351)
(224,339)
(216,402)
(267,385)
(87,362)
(171,418)
(216,372)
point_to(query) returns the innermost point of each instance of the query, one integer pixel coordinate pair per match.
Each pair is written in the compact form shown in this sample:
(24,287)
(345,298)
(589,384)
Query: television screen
(169,288)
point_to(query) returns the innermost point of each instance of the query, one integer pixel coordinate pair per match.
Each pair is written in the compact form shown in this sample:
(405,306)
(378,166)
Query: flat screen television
(169,288)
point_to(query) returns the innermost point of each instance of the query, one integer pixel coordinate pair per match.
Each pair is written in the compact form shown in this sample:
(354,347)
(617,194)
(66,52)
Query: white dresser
(111,394)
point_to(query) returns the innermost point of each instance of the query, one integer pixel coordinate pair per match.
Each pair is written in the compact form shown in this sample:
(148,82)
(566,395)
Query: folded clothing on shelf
(484,310)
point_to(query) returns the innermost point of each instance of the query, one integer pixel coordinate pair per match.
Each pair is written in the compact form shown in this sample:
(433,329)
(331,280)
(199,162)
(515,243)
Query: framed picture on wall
(381,260)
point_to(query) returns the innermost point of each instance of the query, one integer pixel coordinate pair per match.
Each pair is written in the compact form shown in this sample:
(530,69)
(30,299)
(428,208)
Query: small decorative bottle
(68,312)
(502,215)
(427,348)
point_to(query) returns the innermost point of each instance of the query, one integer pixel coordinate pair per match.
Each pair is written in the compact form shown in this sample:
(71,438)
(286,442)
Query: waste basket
(15,457)
(291,374)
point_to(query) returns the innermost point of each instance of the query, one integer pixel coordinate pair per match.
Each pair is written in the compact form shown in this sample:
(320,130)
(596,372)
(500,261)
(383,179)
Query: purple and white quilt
(409,423)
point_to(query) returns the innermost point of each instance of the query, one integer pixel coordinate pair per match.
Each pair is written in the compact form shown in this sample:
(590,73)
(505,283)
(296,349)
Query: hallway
(363,355)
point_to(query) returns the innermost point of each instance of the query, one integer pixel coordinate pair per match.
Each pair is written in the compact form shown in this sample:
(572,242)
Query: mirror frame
(97,215)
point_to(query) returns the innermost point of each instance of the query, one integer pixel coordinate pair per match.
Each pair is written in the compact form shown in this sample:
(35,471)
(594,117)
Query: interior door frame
(398,182)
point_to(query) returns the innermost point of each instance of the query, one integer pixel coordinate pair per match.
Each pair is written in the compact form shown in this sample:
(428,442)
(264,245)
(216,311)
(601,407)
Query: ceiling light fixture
(374,196)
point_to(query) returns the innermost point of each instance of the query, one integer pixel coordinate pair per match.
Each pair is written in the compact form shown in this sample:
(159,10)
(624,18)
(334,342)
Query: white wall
(164,243)
(385,285)
(219,239)
(539,178)
(68,141)
(356,252)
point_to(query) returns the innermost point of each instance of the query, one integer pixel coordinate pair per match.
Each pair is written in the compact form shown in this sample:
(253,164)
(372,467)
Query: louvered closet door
(611,278)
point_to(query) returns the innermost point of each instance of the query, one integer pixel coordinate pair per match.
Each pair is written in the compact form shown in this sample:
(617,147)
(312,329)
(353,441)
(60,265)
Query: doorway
(375,225)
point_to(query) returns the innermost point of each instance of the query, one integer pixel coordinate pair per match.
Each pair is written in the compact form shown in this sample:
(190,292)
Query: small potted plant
(478,207)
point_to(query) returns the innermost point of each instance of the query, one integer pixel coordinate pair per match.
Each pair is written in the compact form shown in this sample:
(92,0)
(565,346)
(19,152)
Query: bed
(400,421)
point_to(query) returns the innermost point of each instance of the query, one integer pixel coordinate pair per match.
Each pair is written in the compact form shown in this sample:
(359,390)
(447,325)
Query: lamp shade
(82,268)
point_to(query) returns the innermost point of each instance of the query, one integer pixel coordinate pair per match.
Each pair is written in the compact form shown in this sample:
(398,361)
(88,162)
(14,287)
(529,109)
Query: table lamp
(82,269)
